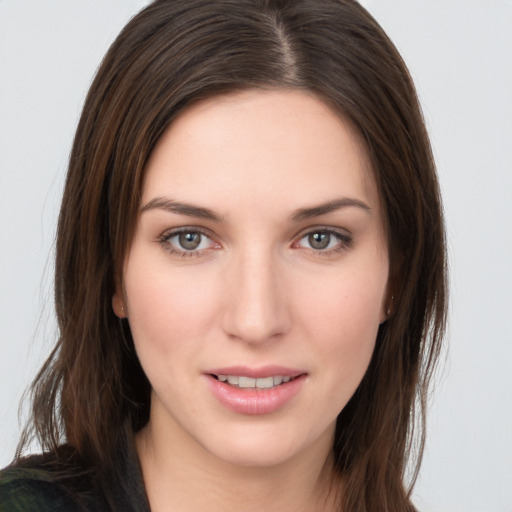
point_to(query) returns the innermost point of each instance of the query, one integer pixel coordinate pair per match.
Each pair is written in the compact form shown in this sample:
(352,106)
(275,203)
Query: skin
(257,291)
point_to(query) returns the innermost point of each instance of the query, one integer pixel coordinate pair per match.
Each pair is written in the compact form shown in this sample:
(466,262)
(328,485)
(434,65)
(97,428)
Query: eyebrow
(187,209)
(200,212)
(330,206)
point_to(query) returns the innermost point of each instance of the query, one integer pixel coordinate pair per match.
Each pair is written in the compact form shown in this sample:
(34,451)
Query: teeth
(267,382)
(278,380)
(244,382)
(233,380)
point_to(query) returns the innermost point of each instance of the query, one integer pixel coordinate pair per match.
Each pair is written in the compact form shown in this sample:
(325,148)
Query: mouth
(254,391)
(253,383)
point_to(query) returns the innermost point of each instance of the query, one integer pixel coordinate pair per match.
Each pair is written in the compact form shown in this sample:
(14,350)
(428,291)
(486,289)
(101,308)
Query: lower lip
(255,401)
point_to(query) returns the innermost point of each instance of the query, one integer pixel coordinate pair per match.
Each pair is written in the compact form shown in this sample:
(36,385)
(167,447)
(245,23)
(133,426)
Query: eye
(320,241)
(187,242)
(324,241)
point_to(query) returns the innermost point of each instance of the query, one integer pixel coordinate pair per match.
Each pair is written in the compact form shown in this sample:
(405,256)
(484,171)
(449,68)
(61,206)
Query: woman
(250,271)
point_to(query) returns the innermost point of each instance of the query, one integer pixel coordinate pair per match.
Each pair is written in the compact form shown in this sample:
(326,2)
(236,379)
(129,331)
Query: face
(257,276)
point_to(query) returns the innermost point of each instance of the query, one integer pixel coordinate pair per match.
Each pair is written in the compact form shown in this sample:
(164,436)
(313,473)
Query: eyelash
(164,240)
(344,242)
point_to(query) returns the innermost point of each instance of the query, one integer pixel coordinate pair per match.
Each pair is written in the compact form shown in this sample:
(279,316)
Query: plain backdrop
(460,54)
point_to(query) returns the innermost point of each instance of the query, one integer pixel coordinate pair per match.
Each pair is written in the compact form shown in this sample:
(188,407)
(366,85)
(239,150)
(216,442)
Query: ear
(388,303)
(118,303)
(387,308)
(393,289)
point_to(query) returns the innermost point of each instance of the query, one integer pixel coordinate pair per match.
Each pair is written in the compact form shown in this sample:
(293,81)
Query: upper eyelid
(167,235)
(344,242)
(325,229)
(186,229)
(165,241)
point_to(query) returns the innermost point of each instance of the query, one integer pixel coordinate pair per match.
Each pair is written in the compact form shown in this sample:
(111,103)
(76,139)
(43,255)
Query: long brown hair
(174,53)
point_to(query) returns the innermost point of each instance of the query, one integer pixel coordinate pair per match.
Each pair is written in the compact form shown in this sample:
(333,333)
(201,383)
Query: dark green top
(35,485)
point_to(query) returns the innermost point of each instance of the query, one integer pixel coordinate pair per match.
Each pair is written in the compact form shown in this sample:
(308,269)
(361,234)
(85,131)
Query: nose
(257,309)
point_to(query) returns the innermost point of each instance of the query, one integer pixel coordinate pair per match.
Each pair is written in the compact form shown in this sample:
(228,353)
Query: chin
(267,446)
(263,455)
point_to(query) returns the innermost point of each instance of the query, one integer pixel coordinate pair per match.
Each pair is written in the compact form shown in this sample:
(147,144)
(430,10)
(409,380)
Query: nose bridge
(257,309)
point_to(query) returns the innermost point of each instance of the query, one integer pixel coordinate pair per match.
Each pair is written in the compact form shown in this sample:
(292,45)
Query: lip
(255,401)
(256,373)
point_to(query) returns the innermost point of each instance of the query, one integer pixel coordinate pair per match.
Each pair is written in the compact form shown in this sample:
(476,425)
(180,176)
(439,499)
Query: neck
(180,475)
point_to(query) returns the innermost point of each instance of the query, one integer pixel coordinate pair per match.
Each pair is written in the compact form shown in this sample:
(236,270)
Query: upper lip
(258,372)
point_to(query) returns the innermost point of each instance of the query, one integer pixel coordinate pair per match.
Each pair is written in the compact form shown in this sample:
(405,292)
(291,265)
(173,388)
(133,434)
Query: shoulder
(29,489)
(32,485)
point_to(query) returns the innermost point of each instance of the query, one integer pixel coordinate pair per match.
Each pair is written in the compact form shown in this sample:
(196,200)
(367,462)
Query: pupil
(190,241)
(319,240)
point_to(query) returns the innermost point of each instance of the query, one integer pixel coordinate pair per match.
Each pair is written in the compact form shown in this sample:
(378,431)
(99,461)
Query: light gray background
(460,55)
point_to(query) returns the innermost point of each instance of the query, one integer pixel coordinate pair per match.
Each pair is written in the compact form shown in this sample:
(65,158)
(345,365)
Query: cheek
(343,317)
(166,308)
(350,302)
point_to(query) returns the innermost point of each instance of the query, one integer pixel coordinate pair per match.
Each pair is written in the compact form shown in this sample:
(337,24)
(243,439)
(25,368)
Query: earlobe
(389,303)
(387,309)
(118,306)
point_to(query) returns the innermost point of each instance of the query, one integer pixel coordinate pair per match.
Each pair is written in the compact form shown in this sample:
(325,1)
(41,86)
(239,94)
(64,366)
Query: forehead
(250,145)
